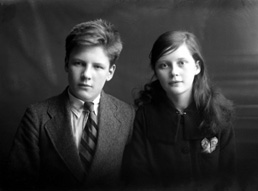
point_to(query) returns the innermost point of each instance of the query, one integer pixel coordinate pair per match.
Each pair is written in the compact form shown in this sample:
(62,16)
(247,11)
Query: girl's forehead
(181,51)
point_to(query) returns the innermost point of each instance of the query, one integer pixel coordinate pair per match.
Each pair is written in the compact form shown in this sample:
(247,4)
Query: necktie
(89,137)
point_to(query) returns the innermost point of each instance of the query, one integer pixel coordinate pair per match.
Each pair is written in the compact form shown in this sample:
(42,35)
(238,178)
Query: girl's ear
(198,67)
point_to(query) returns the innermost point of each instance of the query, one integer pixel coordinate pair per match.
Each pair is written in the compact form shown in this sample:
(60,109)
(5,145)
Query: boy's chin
(88,97)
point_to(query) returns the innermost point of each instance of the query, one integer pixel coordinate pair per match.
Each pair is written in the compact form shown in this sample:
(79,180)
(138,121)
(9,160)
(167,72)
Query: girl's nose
(174,70)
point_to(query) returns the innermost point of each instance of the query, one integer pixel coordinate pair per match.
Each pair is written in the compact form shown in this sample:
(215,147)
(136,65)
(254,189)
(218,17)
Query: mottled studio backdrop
(32,34)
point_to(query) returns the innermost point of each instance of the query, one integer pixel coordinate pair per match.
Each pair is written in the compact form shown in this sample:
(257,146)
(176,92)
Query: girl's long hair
(215,109)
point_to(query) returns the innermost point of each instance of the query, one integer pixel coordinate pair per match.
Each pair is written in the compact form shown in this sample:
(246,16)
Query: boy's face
(88,69)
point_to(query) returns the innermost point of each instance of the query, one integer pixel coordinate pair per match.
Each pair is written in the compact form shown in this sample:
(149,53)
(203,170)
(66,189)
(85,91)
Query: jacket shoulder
(44,104)
(121,105)
(51,103)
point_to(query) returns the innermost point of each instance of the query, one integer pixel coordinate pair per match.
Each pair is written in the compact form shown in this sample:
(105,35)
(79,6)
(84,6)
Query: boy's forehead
(97,53)
(86,48)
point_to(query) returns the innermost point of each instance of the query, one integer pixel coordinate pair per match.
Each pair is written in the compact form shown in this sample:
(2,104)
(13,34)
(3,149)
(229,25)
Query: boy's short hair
(95,33)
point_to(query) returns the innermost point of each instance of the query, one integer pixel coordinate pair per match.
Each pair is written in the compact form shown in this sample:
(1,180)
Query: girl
(183,131)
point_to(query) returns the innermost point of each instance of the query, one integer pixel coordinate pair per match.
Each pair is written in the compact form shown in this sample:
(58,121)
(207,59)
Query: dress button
(185,150)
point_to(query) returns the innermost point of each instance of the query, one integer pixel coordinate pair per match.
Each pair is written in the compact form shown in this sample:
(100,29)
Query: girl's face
(176,71)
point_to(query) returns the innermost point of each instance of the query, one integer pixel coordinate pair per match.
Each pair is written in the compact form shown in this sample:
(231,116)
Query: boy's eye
(98,67)
(76,63)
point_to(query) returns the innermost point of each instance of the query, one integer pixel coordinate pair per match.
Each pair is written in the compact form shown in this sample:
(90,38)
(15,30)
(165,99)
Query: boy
(60,142)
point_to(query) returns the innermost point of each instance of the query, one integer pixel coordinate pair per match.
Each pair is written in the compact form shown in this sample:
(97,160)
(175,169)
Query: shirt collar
(77,104)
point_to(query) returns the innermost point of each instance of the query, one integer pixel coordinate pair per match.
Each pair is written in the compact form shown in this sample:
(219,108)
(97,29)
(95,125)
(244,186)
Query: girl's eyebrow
(160,61)
(181,58)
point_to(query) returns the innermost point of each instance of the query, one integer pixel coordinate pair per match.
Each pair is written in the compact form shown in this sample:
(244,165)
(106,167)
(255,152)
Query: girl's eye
(163,65)
(181,63)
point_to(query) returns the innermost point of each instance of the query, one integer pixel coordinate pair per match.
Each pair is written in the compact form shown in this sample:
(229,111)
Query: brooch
(209,146)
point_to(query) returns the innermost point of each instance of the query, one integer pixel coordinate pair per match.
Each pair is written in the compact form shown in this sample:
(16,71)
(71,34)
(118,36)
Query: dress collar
(165,125)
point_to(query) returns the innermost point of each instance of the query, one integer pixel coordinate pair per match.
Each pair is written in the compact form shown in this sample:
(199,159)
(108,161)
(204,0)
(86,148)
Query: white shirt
(79,116)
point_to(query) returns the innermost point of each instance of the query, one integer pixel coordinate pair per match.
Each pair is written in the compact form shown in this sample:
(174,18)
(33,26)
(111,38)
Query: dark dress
(166,149)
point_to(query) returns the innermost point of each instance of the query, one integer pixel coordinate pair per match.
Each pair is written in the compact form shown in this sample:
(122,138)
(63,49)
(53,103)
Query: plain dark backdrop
(32,36)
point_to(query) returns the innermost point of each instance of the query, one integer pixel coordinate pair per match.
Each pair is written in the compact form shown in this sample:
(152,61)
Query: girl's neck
(180,102)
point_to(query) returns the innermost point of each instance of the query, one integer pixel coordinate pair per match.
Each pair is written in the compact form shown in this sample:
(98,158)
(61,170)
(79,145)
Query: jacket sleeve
(24,160)
(131,122)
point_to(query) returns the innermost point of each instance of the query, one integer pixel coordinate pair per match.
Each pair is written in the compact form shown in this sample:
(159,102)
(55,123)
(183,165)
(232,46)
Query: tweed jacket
(44,153)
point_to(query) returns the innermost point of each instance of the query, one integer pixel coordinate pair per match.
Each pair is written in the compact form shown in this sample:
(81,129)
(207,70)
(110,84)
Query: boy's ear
(66,65)
(112,70)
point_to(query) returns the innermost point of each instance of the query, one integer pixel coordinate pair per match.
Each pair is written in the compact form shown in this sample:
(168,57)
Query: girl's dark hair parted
(216,110)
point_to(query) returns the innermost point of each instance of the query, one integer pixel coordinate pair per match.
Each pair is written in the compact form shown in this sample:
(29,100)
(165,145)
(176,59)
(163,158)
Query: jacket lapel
(108,131)
(60,133)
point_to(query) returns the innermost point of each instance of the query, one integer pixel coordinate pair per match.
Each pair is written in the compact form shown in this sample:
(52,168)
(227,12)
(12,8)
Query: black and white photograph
(152,95)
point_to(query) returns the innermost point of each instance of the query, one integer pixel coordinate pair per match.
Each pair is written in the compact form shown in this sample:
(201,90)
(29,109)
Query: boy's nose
(87,72)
